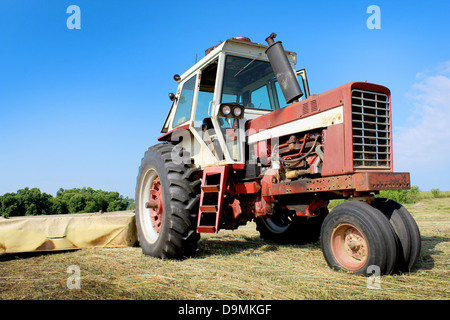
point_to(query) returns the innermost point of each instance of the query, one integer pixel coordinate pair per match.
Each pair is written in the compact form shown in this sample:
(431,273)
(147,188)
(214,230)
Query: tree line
(32,202)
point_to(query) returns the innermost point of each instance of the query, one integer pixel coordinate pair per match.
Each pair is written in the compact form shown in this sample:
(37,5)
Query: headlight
(226,110)
(231,110)
(237,111)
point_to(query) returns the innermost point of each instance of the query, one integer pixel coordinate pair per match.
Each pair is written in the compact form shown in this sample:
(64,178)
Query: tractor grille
(371,132)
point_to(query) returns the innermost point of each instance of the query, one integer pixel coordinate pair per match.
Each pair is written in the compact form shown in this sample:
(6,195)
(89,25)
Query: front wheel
(406,229)
(355,236)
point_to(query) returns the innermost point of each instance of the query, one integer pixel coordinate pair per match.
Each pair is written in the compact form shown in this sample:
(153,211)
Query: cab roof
(240,46)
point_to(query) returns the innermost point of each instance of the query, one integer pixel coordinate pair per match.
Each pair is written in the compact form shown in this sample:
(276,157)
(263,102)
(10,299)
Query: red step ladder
(211,198)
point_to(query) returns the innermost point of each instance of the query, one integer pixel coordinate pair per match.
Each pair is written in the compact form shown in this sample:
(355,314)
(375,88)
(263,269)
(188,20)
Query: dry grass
(230,265)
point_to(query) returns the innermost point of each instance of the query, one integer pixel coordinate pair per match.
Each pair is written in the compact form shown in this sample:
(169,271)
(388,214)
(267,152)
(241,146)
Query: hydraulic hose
(298,159)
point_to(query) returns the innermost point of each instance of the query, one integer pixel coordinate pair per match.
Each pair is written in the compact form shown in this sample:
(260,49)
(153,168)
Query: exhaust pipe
(283,70)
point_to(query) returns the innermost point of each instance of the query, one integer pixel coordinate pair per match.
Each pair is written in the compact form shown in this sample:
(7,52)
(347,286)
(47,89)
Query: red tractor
(244,140)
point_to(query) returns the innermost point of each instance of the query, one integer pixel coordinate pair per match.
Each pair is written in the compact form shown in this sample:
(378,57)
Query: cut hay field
(235,265)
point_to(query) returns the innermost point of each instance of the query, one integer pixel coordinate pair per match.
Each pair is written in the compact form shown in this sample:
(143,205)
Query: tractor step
(211,199)
(211,188)
(208,209)
(206,229)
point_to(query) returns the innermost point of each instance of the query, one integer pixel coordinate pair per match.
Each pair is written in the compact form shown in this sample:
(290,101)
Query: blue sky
(80,107)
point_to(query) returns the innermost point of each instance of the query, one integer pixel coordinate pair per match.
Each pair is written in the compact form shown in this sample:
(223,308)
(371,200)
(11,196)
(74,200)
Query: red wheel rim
(349,247)
(156,197)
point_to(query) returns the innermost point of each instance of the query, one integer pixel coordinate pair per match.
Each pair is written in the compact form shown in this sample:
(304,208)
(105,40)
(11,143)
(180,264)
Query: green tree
(58,206)
(33,202)
(76,203)
(11,205)
(130,204)
(25,202)
(90,200)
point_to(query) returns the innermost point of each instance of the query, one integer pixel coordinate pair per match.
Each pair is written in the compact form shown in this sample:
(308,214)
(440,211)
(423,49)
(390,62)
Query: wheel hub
(155,204)
(349,247)
(355,245)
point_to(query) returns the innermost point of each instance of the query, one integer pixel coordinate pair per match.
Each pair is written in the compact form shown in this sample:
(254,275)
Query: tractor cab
(232,84)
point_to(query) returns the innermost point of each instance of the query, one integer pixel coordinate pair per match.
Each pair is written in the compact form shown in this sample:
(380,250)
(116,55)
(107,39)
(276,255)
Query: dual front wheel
(356,236)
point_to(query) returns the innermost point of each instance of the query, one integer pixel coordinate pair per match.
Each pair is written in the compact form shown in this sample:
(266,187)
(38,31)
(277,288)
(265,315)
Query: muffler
(283,71)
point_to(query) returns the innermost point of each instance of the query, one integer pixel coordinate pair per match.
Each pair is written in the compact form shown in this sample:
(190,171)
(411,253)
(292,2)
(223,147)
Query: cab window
(183,113)
(260,98)
(205,93)
(248,82)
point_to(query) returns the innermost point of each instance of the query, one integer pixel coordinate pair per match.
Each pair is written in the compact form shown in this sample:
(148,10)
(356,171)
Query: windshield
(251,83)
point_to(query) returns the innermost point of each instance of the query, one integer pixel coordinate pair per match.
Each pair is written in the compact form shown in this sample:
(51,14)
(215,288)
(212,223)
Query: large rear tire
(167,197)
(355,236)
(406,230)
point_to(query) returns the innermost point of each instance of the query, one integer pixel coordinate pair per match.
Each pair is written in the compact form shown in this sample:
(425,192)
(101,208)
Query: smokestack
(283,70)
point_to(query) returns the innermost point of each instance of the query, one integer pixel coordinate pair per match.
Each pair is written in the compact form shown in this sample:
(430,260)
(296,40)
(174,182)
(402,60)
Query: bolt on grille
(371,132)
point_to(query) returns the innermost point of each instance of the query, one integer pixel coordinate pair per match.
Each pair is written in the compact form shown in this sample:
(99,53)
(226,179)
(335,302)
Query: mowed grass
(231,265)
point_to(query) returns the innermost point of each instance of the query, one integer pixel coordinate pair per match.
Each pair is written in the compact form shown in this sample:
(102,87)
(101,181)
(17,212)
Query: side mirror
(301,74)
(172,96)
(176,77)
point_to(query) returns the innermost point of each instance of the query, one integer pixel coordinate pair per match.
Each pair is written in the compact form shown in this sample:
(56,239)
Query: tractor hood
(315,104)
